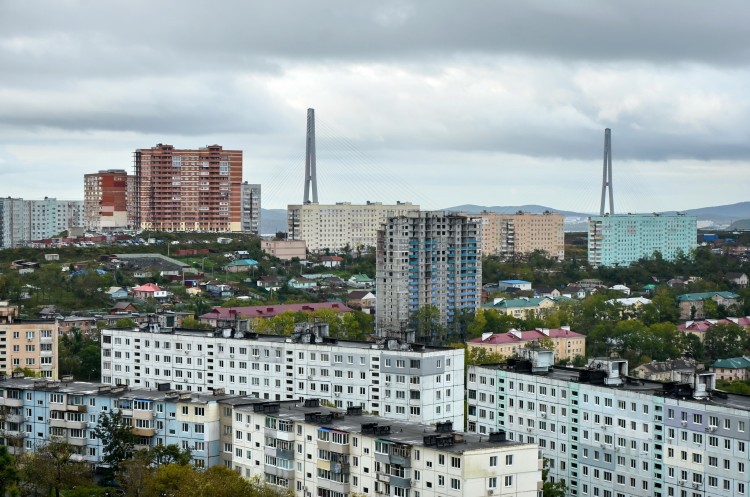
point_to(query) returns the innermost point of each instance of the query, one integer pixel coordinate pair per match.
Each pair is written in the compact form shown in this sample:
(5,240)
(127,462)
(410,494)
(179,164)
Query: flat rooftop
(401,432)
(632,384)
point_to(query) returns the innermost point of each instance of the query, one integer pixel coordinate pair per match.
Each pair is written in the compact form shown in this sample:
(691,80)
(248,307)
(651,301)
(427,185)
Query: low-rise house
(700,327)
(86,324)
(331,260)
(737,279)
(117,293)
(630,302)
(361,281)
(219,288)
(241,266)
(517,284)
(523,307)
(150,291)
(665,370)
(361,299)
(546,291)
(270,283)
(302,283)
(51,257)
(691,304)
(123,308)
(732,369)
(49,312)
(568,344)
(620,288)
(574,292)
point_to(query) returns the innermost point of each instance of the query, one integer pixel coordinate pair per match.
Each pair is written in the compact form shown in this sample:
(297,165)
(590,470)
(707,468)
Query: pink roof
(267,311)
(526,336)
(706,324)
(332,258)
(148,287)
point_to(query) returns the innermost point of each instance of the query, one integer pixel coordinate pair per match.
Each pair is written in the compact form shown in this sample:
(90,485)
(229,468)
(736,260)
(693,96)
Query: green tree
(551,488)
(427,325)
(8,471)
(724,340)
(52,468)
(481,355)
(118,441)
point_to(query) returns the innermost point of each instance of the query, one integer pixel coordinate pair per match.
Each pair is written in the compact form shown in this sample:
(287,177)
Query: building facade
(26,344)
(426,259)
(35,411)
(391,379)
(187,190)
(606,434)
(334,226)
(105,200)
(510,235)
(286,250)
(313,450)
(621,239)
(567,344)
(22,221)
(250,194)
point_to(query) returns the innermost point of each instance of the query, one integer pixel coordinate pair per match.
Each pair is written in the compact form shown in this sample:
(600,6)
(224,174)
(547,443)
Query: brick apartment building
(105,200)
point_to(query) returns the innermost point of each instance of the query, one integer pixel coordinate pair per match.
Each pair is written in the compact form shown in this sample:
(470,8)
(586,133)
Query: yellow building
(27,344)
(568,344)
(506,235)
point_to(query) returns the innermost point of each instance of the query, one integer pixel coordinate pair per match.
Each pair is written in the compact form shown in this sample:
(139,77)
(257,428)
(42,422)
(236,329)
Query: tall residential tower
(427,259)
(105,200)
(185,190)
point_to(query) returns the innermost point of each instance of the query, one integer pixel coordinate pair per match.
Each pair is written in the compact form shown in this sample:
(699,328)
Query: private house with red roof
(226,316)
(331,260)
(568,344)
(700,327)
(150,291)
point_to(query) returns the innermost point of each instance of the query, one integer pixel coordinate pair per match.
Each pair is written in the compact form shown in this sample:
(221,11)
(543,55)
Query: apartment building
(621,239)
(105,200)
(286,250)
(567,343)
(608,434)
(33,411)
(426,258)
(250,194)
(314,450)
(334,226)
(509,235)
(27,344)
(22,221)
(391,378)
(186,190)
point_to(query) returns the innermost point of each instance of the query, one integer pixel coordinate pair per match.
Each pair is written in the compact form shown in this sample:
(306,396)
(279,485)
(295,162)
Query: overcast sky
(436,102)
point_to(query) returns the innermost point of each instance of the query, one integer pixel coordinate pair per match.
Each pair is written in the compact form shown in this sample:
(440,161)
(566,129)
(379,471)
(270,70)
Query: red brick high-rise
(188,190)
(105,201)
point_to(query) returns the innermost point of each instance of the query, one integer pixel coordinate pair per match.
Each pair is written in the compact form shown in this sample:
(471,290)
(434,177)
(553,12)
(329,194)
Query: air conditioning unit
(683,423)
(681,483)
(490,492)
(543,414)
(528,429)
(712,428)
(696,484)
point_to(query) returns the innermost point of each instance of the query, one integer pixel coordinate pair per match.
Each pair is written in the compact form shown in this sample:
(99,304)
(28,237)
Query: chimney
(543,331)
(486,335)
(515,333)
(566,327)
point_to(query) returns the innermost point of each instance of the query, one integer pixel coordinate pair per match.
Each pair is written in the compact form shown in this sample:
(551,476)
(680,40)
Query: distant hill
(272,221)
(722,214)
(512,209)
(742,224)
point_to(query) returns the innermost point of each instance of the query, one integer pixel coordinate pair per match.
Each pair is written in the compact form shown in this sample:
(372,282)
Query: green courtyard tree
(118,441)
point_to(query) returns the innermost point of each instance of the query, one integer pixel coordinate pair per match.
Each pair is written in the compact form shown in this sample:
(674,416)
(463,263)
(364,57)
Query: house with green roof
(361,281)
(240,265)
(732,369)
(692,304)
(524,307)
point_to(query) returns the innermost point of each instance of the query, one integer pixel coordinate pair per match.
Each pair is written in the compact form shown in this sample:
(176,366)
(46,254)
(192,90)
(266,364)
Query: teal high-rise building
(621,239)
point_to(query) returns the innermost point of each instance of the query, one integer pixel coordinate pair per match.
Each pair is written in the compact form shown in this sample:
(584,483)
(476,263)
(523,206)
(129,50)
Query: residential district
(372,349)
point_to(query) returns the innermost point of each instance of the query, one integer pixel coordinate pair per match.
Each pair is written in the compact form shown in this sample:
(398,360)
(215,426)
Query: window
(509,481)
(493,461)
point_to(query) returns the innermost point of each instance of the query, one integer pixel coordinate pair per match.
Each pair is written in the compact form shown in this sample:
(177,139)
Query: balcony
(14,418)
(10,402)
(144,432)
(78,442)
(76,408)
(138,414)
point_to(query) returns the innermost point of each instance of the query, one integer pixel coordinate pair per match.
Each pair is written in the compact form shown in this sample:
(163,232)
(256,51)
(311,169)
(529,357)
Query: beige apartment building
(506,235)
(285,250)
(27,344)
(334,226)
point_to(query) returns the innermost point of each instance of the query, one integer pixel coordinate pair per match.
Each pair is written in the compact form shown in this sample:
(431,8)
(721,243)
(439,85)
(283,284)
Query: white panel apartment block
(400,381)
(316,451)
(638,438)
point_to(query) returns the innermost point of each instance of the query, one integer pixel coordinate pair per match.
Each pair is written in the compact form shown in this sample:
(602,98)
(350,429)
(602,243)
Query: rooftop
(705,295)
(267,311)
(399,432)
(515,336)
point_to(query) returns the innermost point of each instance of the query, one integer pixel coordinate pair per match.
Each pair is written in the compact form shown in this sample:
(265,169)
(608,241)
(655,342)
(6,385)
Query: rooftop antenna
(607,173)
(311,177)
